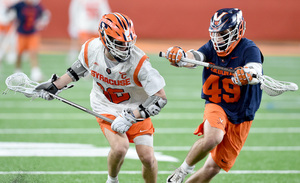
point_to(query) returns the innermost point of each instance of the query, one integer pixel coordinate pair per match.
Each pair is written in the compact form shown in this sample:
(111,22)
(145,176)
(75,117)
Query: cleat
(177,176)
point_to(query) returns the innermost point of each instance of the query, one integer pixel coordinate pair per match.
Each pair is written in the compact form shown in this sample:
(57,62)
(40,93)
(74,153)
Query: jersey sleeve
(150,79)
(81,56)
(84,54)
(206,50)
(253,54)
(13,7)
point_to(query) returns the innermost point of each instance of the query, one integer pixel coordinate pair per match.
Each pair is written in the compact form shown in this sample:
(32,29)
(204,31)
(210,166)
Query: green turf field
(49,141)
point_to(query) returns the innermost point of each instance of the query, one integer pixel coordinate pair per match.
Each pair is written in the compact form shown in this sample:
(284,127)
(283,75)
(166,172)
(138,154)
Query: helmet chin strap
(112,57)
(119,60)
(109,55)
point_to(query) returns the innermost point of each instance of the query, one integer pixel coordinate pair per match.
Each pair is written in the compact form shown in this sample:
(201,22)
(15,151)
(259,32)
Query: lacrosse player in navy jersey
(32,17)
(231,100)
(125,87)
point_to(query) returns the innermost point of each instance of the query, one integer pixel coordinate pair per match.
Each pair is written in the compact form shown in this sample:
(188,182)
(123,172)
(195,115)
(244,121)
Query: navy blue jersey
(27,16)
(239,102)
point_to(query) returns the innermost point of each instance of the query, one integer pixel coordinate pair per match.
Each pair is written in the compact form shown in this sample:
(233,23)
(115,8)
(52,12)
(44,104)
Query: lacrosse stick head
(273,87)
(19,82)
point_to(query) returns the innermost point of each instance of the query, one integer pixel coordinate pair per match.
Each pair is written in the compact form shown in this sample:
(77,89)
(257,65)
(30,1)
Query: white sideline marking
(245,148)
(157,130)
(171,105)
(169,116)
(31,149)
(139,172)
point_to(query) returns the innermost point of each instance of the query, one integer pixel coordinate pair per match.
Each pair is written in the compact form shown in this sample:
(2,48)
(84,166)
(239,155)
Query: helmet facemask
(227,27)
(223,40)
(118,49)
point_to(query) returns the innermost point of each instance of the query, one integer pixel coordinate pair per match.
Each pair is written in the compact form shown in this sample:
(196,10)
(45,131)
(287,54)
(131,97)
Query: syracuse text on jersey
(99,76)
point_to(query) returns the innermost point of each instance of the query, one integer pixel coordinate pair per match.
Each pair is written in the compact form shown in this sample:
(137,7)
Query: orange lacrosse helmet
(117,35)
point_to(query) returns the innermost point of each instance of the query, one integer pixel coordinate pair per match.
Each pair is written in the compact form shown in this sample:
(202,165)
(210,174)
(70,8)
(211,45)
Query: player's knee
(217,139)
(119,151)
(213,141)
(213,170)
(147,159)
(212,135)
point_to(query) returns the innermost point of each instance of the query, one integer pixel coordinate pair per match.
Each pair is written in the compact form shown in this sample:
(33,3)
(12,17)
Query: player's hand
(174,55)
(242,76)
(48,87)
(124,121)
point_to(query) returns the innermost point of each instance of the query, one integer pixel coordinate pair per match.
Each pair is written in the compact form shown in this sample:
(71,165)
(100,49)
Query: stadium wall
(189,19)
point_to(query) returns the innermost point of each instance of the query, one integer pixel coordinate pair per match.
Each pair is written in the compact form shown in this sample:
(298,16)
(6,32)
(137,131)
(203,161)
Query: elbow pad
(152,106)
(77,71)
(255,69)
(198,55)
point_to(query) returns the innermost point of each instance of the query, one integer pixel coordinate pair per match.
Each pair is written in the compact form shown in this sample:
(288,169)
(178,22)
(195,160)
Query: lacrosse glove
(124,121)
(174,55)
(48,87)
(242,76)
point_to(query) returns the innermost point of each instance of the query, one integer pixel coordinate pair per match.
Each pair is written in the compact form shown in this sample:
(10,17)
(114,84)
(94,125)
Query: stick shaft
(204,64)
(261,78)
(81,108)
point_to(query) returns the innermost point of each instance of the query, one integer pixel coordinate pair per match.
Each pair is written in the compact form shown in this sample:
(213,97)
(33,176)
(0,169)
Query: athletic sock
(112,179)
(36,74)
(187,168)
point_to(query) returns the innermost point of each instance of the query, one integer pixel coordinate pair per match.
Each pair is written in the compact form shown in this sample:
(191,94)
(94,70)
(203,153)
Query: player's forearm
(62,81)
(189,55)
(161,93)
(136,113)
(160,101)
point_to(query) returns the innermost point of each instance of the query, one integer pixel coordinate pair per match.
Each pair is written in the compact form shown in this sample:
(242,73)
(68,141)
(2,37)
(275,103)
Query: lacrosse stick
(271,86)
(19,82)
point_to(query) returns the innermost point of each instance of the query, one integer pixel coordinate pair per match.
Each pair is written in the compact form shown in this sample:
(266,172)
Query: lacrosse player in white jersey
(83,19)
(125,88)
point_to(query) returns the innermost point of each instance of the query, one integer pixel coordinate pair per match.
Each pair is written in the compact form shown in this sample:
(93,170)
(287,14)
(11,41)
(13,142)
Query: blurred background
(272,22)
(48,141)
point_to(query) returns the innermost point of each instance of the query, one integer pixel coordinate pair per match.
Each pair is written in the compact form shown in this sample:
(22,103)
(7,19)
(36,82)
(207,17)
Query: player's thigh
(34,42)
(212,134)
(22,43)
(146,154)
(117,141)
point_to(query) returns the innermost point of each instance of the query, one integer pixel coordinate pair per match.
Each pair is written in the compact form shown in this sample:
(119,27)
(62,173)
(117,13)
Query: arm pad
(77,71)
(152,106)
(198,55)
(255,69)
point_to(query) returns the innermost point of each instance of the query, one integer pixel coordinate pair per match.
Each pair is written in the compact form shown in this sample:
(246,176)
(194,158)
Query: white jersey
(126,85)
(84,16)
(6,17)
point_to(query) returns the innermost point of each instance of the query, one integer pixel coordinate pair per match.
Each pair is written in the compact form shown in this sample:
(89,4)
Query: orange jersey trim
(137,70)
(86,58)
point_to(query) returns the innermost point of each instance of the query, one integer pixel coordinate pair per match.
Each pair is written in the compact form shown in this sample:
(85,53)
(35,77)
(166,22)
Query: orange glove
(174,55)
(241,76)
